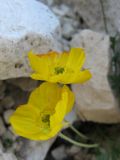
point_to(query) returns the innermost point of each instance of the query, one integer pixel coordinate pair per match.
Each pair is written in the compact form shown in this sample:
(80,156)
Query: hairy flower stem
(77,143)
(77,132)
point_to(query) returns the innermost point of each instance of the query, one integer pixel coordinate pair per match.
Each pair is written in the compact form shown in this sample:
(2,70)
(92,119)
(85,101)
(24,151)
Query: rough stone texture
(2,89)
(94,99)
(7,156)
(26,84)
(24,25)
(59,153)
(112,11)
(7,102)
(7,115)
(91,16)
(2,127)
(69,20)
(36,150)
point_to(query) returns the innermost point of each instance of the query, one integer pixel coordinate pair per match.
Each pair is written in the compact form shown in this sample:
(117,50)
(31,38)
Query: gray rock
(48,2)
(59,153)
(94,99)
(7,115)
(17,145)
(26,84)
(73,150)
(2,127)
(1,147)
(1,82)
(67,30)
(8,102)
(71,117)
(91,12)
(61,10)
(8,135)
(26,25)
(7,156)
(12,133)
(2,89)
(65,45)
(34,150)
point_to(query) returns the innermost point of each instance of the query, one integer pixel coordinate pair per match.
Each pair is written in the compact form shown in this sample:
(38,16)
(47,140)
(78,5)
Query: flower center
(59,70)
(44,122)
(46,118)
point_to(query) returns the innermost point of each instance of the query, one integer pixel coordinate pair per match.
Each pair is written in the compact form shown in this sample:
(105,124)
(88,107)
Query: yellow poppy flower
(43,116)
(65,68)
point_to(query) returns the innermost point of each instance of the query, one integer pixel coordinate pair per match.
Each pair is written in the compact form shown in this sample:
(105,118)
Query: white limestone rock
(94,99)
(24,26)
(6,155)
(34,150)
(91,12)
(59,153)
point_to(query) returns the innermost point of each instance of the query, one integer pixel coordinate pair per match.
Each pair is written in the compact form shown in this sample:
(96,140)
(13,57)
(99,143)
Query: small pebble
(7,102)
(59,153)
(7,115)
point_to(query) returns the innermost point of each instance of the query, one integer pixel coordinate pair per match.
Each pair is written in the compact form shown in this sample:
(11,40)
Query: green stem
(77,132)
(77,143)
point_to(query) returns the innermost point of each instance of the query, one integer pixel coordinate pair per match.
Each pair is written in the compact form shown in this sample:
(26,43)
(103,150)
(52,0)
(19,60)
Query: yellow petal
(36,136)
(65,78)
(24,120)
(38,76)
(74,77)
(82,76)
(25,123)
(63,107)
(45,96)
(62,59)
(71,99)
(60,111)
(76,58)
(39,64)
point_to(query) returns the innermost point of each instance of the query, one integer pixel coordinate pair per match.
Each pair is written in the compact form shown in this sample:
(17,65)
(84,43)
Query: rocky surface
(24,26)
(14,92)
(94,99)
(6,156)
(59,153)
(36,150)
(91,16)
(27,30)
